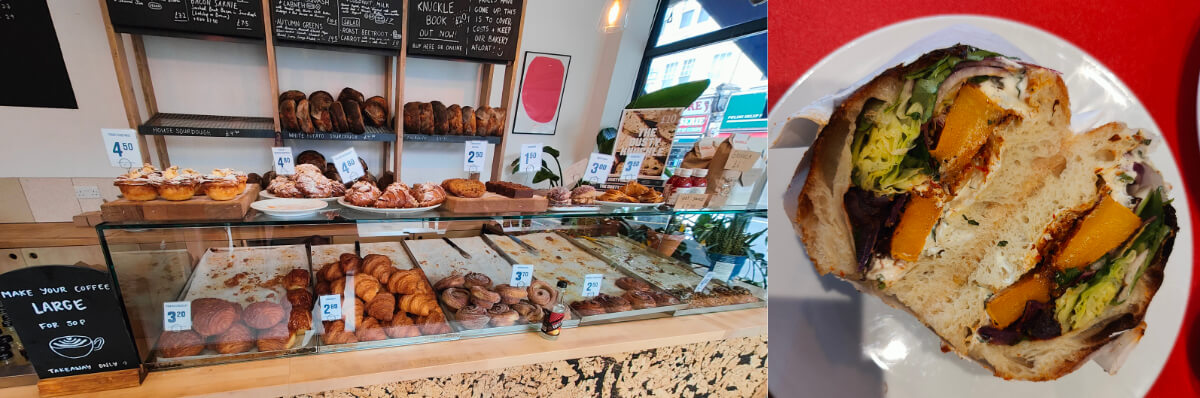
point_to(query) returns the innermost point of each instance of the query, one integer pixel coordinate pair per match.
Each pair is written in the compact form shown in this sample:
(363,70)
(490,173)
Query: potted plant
(726,241)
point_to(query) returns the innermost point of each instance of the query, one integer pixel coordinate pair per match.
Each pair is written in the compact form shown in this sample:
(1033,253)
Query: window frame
(744,29)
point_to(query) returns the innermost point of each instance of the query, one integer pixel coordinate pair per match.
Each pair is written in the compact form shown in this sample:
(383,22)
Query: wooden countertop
(322,372)
(53,234)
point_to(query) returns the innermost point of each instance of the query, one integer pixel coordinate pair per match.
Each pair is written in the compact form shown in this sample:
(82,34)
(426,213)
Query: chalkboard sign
(236,18)
(356,23)
(35,74)
(485,30)
(69,319)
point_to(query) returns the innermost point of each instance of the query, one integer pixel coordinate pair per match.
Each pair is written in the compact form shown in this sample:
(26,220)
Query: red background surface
(1153,46)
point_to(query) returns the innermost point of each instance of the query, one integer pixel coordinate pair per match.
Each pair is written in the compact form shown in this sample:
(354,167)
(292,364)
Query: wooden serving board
(196,208)
(495,203)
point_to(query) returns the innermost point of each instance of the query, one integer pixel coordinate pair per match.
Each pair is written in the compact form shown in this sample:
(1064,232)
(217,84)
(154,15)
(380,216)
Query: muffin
(178,185)
(223,184)
(139,184)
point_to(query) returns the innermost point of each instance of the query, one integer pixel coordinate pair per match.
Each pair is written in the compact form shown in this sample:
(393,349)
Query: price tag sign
(633,166)
(691,201)
(282,158)
(598,168)
(177,315)
(591,284)
(330,307)
(741,160)
(704,282)
(522,275)
(348,165)
(531,158)
(473,156)
(122,147)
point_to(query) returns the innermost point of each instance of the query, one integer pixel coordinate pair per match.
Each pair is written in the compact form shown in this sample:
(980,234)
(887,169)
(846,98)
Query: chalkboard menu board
(35,74)
(69,319)
(236,18)
(357,23)
(485,30)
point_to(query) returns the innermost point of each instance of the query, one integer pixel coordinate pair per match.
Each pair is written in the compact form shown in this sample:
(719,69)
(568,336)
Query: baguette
(995,228)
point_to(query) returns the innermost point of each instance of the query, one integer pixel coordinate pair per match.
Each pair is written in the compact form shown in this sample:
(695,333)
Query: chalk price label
(177,315)
(591,284)
(331,307)
(522,275)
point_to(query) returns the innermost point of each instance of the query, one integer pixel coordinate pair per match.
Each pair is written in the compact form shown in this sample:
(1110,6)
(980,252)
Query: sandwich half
(953,188)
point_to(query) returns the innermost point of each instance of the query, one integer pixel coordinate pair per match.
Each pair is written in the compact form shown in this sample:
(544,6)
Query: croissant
(401,326)
(297,279)
(418,304)
(483,297)
(349,263)
(335,333)
(337,286)
(433,324)
(456,298)
(510,294)
(382,307)
(330,272)
(366,287)
(323,288)
(633,188)
(541,293)
(370,330)
(408,282)
(373,262)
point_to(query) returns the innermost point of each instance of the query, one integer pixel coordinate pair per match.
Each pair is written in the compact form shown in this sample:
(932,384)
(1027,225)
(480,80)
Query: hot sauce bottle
(552,322)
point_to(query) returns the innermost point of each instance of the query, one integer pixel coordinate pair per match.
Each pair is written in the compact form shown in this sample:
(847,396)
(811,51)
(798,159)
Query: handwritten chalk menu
(69,318)
(472,29)
(359,23)
(237,18)
(35,74)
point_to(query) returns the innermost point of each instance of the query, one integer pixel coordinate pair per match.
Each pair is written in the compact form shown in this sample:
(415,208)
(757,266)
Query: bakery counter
(55,234)
(311,374)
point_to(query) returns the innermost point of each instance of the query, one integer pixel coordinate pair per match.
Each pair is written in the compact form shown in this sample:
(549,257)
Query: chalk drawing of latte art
(76,346)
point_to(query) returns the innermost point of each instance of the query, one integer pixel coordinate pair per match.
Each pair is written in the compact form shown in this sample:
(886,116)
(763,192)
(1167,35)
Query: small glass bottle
(552,322)
(681,184)
(699,181)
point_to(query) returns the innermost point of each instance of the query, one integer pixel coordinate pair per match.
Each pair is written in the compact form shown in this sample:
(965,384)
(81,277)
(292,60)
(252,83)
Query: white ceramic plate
(343,202)
(268,195)
(827,339)
(289,207)
(573,208)
(623,204)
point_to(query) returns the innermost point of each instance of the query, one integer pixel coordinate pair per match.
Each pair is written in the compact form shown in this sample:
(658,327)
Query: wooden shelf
(187,125)
(449,138)
(322,372)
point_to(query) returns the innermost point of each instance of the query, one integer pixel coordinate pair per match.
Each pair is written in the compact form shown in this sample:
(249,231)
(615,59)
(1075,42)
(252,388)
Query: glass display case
(200,293)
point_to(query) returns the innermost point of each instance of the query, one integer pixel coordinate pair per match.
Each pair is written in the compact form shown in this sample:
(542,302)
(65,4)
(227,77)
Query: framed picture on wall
(539,97)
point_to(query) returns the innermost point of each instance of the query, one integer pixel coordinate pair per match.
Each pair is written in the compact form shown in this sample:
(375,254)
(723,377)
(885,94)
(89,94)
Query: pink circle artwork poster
(542,88)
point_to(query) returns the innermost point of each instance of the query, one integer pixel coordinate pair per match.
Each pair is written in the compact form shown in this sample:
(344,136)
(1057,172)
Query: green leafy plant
(606,139)
(725,235)
(679,95)
(545,173)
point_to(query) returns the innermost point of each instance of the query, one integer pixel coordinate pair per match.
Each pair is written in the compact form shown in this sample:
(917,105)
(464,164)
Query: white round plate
(289,207)
(343,202)
(827,339)
(573,208)
(268,195)
(624,204)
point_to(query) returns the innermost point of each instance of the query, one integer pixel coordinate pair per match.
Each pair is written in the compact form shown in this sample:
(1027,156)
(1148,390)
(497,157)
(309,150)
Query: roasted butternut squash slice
(968,125)
(908,239)
(1103,229)
(1007,306)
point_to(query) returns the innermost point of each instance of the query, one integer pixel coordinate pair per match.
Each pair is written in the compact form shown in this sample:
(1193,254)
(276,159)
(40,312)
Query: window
(703,16)
(686,19)
(720,66)
(652,81)
(685,75)
(669,75)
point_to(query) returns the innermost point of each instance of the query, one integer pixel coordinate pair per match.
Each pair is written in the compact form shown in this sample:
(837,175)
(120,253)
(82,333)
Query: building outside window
(685,73)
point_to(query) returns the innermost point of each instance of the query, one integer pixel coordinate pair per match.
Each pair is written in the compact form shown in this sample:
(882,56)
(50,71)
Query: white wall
(192,76)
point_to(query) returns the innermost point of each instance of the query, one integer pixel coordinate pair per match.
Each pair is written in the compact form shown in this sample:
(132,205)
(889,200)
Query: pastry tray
(661,271)
(439,260)
(324,254)
(259,272)
(559,257)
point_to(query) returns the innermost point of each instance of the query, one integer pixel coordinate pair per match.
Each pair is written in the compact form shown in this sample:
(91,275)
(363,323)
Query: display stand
(159,124)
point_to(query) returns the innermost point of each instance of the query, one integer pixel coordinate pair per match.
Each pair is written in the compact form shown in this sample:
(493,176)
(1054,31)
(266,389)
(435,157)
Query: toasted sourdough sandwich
(954,189)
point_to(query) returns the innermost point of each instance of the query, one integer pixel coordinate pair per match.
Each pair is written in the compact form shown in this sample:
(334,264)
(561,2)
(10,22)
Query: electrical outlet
(87,192)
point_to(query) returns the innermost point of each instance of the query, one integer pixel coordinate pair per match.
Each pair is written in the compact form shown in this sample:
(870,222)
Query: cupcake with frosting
(224,184)
(178,184)
(139,184)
